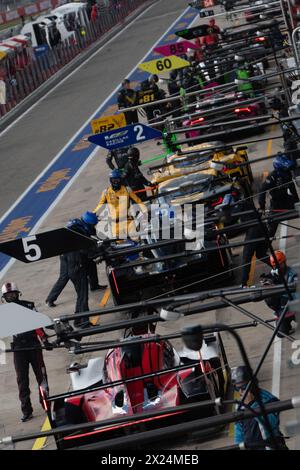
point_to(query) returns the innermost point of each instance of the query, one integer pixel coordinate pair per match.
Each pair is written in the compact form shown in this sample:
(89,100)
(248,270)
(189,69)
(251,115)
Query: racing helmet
(153,78)
(10,291)
(134,154)
(125,82)
(89,221)
(115,179)
(89,218)
(281,258)
(173,74)
(282,163)
(85,225)
(240,374)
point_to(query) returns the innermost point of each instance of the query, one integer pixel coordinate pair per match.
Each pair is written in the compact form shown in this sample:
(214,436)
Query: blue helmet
(282,163)
(115,174)
(115,178)
(85,225)
(89,218)
(89,221)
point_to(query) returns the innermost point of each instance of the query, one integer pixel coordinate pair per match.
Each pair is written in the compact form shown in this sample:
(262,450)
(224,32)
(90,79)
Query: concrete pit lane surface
(45,151)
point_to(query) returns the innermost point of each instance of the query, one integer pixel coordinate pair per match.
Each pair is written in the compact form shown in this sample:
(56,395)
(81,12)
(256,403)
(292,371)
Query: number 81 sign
(165,64)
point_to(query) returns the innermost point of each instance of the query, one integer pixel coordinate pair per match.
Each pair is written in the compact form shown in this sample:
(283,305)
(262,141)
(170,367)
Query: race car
(200,157)
(242,121)
(196,188)
(215,193)
(249,34)
(263,10)
(210,112)
(161,270)
(206,378)
(157,269)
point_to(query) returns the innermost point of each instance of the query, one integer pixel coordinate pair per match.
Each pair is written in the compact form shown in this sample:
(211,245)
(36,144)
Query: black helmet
(173,74)
(240,374)
(154,78)
(134,154)
(126,81)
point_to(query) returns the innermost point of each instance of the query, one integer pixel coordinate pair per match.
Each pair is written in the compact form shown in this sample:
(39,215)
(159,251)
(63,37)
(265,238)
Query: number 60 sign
(165,64)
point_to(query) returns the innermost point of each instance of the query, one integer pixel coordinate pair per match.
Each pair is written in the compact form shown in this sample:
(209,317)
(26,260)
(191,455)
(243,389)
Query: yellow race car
(200,157)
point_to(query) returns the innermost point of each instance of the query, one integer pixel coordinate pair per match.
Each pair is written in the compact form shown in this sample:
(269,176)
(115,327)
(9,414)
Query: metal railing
(23,72)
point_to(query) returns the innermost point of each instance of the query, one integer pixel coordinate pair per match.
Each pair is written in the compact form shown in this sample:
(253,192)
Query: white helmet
(9,287)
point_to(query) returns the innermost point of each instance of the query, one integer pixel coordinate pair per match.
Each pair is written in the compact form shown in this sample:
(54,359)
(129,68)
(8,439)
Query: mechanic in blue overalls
(281,187)
(252,431)
(77,267)
(277,303)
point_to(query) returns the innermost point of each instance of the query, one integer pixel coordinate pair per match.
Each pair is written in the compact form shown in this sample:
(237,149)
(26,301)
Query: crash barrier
(23,69)
(30,8)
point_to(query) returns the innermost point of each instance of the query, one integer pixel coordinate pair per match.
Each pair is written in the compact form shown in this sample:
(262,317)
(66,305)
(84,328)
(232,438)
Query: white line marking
(86,122)
(74,71)
(73,179)
(81,128)
(277,351)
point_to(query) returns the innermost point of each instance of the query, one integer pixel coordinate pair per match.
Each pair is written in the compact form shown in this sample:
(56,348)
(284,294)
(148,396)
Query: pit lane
(31,148)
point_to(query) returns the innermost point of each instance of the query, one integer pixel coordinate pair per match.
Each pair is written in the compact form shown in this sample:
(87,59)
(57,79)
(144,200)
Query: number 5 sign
(45,245)
(164,65)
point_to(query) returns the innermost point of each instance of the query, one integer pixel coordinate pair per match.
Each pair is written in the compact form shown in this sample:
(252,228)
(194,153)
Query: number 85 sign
(165,64)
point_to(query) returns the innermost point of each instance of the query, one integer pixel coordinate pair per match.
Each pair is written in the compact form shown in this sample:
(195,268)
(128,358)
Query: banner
(108,123)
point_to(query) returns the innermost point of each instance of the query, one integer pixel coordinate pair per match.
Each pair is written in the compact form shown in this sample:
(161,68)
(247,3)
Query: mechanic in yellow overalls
(118,197)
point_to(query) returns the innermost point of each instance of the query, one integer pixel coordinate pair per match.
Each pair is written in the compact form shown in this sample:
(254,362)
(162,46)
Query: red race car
(112,388)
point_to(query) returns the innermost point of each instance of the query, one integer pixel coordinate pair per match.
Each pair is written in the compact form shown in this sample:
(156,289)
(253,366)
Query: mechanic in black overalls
(291,145)
(259,249)
(120,157)
(150,86)
(174,89)
(126,99)
(133,176)
(283,192)
(23,359)
(77,267)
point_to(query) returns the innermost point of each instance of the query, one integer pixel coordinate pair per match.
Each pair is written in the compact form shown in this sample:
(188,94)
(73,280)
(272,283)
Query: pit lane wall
(25,70)
(26,10)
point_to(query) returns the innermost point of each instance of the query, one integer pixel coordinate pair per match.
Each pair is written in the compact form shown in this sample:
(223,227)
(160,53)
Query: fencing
(23,70)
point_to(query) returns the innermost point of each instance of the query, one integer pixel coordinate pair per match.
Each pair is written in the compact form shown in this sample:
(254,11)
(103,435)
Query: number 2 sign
(125,136)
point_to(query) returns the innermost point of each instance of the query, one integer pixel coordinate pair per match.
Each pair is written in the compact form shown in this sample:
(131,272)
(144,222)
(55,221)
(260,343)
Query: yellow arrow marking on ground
(104,300)
(41,441)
